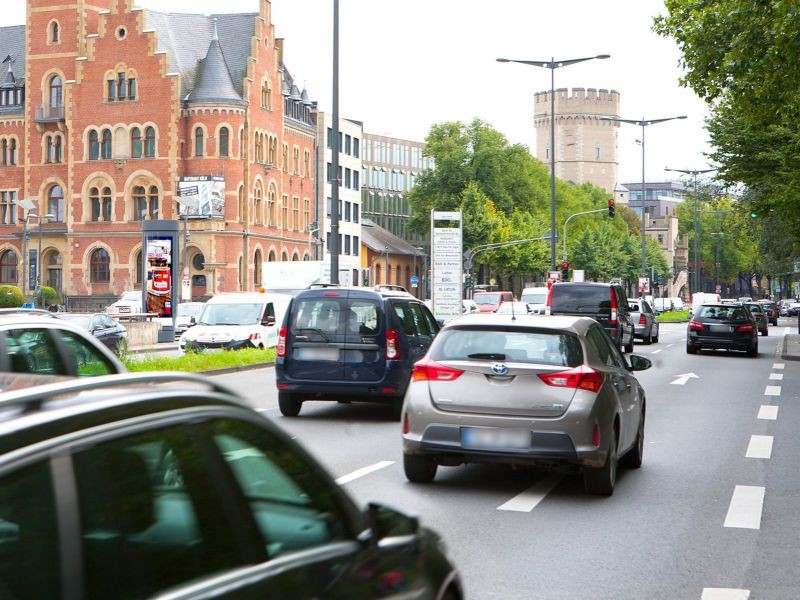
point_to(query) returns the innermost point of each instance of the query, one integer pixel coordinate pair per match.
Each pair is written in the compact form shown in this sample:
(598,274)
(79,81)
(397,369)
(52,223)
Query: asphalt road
(712,513)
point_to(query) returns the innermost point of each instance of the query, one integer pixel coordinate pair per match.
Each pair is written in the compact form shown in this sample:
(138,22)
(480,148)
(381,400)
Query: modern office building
(389,170)
(106,109)
(586,145)
(349,193)
(661,198)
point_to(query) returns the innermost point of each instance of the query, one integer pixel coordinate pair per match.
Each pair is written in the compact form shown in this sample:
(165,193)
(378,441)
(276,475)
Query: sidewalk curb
(785,352)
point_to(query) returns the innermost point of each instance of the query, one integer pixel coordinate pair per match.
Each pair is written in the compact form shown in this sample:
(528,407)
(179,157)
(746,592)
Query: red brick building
(104,107)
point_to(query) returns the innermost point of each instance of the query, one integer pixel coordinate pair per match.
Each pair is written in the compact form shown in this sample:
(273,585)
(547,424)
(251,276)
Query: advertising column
(160,264)
(446,264)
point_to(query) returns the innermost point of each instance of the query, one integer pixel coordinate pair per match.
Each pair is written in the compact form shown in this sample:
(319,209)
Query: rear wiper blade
(314,330)
(488,355)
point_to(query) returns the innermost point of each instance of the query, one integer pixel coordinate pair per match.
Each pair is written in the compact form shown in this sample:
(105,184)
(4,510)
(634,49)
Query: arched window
(8,267)
(55,203)
(100,266)
(223,141)
(137,278)
(5,152)
(56,92)
(150,142)
(94,145)
(106,204)
(48,149)
(257,260)
(131,88)
(12,152)
(139,203)
(198,141)
(57,149)
(136,143)
(106,147)
(153,202)
(55,33)
(296,161)
(94,200)
(258,206)
(271,208)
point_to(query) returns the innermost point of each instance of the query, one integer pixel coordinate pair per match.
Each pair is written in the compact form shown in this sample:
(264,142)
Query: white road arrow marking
(682,379)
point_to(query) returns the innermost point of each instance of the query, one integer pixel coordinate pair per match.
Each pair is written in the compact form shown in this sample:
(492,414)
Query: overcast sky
(408,64)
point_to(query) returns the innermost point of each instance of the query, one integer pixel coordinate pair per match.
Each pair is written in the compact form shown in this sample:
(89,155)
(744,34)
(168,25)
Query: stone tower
(586,146)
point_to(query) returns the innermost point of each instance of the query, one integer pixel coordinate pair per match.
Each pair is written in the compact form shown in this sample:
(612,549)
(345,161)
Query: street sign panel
(446,264)
(414,281)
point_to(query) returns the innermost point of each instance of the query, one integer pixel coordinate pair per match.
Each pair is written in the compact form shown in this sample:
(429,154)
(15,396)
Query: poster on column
(159,240)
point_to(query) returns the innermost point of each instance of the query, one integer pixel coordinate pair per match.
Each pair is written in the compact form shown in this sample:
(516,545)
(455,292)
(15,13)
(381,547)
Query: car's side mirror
(639,363)
(269,321)
(390,526)
(192,321)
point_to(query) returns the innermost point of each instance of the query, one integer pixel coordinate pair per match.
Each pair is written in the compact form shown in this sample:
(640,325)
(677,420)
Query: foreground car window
(524,345)
(149,515)
(29,560)
(292,506)
(36,351)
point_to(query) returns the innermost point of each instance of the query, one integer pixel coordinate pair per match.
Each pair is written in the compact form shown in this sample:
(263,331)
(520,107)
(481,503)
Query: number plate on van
(317,353)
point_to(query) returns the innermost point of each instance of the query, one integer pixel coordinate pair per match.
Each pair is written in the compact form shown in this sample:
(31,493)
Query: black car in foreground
(722,326)
(135,485)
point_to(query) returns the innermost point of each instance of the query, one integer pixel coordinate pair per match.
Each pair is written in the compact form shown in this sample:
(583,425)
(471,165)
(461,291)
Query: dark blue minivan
(343,343)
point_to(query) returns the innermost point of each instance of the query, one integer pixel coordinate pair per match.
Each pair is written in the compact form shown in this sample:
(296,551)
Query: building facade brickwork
(121,103)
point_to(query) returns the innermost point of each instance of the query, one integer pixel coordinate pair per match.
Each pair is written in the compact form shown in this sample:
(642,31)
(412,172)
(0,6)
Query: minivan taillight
(429,370)
(695,325)
(613,307)
(280,349)
(392,345)
(581,378)
(745,328)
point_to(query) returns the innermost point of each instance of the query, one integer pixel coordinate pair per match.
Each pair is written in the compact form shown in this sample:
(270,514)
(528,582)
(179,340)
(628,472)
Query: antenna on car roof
(513,314)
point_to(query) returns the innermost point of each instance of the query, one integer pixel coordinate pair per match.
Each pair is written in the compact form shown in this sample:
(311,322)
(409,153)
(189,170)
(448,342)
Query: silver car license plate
(492,438)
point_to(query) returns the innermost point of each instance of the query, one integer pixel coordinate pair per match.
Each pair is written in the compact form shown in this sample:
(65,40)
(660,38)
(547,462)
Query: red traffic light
(611,207)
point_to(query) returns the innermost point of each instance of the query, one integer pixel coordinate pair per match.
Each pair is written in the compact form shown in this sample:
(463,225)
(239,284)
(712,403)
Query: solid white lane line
(772,390)
(745,509)
(776,376)
(768,412)
(655,351)
(760,446)
(365,471)
(778,365)
(530,498)
(724,594)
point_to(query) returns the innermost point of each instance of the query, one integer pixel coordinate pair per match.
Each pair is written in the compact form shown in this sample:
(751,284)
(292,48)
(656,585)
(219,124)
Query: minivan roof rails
(390,288)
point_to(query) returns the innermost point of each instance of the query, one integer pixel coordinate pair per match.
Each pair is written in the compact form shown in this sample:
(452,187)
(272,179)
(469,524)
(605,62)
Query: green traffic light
(753,214)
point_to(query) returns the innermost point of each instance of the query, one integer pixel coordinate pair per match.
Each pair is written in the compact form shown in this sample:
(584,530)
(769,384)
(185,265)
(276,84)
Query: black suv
(606,303)
(113,487)
(350,343)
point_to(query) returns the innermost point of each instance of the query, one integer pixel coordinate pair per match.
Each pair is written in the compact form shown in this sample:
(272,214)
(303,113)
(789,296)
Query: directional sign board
(446,264)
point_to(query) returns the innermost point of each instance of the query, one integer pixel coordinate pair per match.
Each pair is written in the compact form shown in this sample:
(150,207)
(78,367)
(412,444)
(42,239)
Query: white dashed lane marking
(772,390)
(724,594)
(768,412)
(776,376)
(760,446)
(655,351)
(778,365)
(365,471)
(745,508)
(530,498)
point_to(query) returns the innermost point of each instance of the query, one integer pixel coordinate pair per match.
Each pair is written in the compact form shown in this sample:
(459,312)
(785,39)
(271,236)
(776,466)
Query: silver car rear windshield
(519,345)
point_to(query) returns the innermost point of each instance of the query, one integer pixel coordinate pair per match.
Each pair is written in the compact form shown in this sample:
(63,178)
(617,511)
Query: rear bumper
(393,384)
(725,343)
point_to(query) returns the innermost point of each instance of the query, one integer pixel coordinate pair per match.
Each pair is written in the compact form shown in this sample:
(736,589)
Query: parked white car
(128,303)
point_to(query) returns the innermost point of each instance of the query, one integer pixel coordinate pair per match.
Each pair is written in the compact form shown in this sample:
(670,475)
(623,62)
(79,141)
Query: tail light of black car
(392,345)
(695,325)
(745,328)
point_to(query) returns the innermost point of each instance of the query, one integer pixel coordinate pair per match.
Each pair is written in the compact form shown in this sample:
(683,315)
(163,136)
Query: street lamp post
(553,64)
(643,123)
(694,173)
(38,289)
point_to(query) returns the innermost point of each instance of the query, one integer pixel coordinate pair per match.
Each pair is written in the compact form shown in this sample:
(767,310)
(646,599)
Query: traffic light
(564,271)
(753,214)
(611,208)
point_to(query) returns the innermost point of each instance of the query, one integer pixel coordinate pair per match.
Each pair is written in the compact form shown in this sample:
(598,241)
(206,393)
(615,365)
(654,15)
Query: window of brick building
(8,267)
(56,92)
(136,143)
(8,208)
(198,141)
(223,141)
(105,148)
(150,142)
(55,203)
(94,145)
(54,33)
(100,266)
(101,203)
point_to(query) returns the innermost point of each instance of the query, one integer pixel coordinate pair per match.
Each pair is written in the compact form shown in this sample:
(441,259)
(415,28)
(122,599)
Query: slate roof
(376,238)
(187,38)
(213,80)
(12,42)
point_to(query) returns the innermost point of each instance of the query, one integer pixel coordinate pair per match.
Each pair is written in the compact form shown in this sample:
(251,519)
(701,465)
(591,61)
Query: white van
(236,320)
(699,298)
(536,297)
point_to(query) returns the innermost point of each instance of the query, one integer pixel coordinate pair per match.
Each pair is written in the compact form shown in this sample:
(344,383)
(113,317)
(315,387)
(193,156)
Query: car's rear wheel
(397,408)
(690,349)
(601,480)
(633,457)
(419,468)
(765,332)
(655,337)
(289,404)
(648,339)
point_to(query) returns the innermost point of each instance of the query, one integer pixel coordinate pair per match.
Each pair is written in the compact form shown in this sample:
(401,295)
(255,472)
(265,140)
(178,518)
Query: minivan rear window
(517,345)
(578,298)
(336,315)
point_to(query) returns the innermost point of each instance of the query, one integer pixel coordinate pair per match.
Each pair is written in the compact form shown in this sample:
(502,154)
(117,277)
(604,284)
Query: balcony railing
(49,114)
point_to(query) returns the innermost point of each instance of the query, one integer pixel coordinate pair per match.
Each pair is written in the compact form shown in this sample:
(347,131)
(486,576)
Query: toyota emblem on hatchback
(499,369)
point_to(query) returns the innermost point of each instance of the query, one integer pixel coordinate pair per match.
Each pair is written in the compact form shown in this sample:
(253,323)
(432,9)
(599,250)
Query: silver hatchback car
(525,390)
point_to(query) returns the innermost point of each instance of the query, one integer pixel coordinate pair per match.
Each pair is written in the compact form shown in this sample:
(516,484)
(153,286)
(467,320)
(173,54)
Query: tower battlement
(579,101)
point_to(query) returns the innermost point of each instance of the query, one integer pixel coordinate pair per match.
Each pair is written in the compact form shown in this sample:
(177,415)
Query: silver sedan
(645,321)
(525,390)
